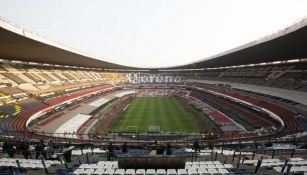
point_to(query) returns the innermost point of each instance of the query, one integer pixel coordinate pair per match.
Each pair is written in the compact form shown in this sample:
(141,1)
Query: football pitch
(165,113)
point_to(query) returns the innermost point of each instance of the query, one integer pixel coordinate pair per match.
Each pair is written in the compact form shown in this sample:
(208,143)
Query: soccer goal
(131,129)
(153,129)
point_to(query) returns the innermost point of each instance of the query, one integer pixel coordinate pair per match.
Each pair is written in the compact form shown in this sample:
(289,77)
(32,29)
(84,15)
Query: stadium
(232,113)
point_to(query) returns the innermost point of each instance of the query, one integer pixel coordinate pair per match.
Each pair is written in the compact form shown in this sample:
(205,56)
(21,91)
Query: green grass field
(165,112)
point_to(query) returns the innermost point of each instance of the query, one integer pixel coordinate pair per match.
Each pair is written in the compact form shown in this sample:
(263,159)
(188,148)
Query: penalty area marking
(154,128)
(131,129)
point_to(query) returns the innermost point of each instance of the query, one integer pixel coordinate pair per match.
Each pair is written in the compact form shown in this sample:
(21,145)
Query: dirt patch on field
(206,128)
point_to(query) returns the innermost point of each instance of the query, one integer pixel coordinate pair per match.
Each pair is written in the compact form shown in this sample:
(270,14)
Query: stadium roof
(19,44)
(287,44)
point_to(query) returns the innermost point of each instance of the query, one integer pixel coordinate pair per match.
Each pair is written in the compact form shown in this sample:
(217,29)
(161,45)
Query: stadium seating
(77,94)
(226,125)
(203,167)
(31,88)
(27,163)
(231,107)
(161,92)
(286,76)
(287,115)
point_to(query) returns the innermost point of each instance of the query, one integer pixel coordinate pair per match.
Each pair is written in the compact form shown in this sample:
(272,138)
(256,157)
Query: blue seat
(64,171)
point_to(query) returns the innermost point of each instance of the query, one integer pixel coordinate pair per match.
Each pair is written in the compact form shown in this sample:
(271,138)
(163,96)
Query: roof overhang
(289,43)
(21,45)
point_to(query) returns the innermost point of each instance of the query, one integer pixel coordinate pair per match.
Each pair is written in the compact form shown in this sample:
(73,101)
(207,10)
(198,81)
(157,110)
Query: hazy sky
(153,33)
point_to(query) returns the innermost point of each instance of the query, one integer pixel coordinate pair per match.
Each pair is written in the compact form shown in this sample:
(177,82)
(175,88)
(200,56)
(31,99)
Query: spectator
(110,151)
(156,142)
(25,149)
(210,146)
(40,149)
(196,146)
(124,148)
(53,147)
(168,149)
(67,153)
(268,144)
(8,148)
(160,149)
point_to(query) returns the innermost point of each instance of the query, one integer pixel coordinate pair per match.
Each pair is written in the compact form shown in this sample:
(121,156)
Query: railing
(146,138)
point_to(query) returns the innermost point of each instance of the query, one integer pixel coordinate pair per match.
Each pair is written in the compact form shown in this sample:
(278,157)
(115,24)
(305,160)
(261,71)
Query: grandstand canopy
(18,44)
(21,45)
(287,44)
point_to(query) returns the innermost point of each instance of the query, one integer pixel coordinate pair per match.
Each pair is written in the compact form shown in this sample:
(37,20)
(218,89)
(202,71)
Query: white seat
(270,160)
(212,171)
(12,164)
(202,171)
(303,168)
(196,166)
(114,163)
(278,169)
(150,172)
(23,160)
(188,163)
(223,171)
(79,171)
(295,169)
(85,166)
(93,166)
(182,172)
(264,164)
(99,171)
(171,172)
(100,166)
(304,162)
(101,162)
(55,162)
(210,162)
(99,151)
(280,163)
(188,167)
(193,172)
(140,172)
(228,166)
(219,166)
(119,172)
(89,171)
(161,172)
(24,165)
(217,162)
(204,166)
(109,171)
(296,159)
(76,152)
(250,162)
(211,166)
(130,171)
(108,166)
(34,161)
(108,162)
(39,165)
(32,165)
